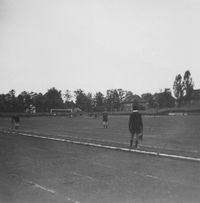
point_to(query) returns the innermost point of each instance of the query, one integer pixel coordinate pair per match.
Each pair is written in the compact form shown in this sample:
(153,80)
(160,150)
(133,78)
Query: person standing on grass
(105,119)
(135,127)
(15,121)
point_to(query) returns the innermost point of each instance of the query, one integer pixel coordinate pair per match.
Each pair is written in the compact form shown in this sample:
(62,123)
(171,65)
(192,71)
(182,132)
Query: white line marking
(115,142)
(110,147)
(151,176)
(83,176)
(47,189)
(44,188)
(125,143)
(40,186)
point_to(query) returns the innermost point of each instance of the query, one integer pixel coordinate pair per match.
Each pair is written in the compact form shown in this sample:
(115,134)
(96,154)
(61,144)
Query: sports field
(74,165)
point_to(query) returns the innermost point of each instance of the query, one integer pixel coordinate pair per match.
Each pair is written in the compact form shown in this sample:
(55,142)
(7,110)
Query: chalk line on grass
(67,137)
(86,139)
(46,189)
(39,186)
(107,146)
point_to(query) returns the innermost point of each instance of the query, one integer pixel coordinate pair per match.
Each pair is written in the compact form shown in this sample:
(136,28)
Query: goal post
(61,111)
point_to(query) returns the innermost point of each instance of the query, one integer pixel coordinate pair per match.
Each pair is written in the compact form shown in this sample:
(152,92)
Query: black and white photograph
(99,101)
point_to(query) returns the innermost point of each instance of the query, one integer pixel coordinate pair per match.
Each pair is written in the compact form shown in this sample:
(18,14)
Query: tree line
(89,102)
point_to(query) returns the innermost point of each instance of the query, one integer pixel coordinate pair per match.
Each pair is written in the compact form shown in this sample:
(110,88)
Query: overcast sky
(95,45)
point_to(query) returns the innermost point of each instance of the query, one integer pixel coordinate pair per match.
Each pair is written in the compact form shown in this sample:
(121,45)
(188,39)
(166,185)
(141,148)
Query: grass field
(168,132)
(41,170)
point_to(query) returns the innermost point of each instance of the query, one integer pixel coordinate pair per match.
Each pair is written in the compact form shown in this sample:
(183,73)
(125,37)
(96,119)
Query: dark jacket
(105,116)
(135,122)
(16,119)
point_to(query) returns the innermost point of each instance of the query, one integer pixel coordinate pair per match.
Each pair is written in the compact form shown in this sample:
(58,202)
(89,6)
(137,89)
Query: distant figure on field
(105,119)
(15,122)
(135,127)
(95,115)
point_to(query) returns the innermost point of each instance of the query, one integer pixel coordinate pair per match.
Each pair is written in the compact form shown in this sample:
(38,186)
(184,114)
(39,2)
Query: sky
(95,45)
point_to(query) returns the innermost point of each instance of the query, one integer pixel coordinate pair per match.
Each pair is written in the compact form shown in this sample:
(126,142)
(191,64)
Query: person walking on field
(135,127)
(105,119)
(15,122)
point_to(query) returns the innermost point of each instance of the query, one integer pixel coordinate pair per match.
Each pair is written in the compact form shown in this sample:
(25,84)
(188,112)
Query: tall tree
(116,100)
(67,95)
(122,94)
(3,107)
(27,98)
(114,97)
(83,100)
(165,99)
(148,97)
(128,94)
(40,101)
(178,88)
(20,103)
(10,101)
(68,102)
(79,95)
(187,85)
(98,102)
(54,99)
(112,100)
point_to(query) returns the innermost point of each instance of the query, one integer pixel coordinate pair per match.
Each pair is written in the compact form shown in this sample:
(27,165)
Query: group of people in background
(135,125)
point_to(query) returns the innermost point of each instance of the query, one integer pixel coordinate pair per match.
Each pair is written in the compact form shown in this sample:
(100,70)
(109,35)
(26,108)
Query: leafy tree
(187,85)
(27,99)
(79,95)
(116,100)
(20,103)
(10,101)
(39,101)
(68,102)
(89,102)
(112,100)
(183,87)
(148,97)
(54,99)
(67,95)
(99,98)
(178,88)
(83,101)
(165,99)
(121,94)
(128,94)
(98,102)
(3,107)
